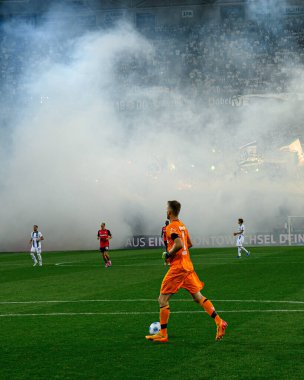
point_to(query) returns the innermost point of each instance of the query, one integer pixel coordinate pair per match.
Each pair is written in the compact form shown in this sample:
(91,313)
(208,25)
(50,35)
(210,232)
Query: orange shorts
(177,278)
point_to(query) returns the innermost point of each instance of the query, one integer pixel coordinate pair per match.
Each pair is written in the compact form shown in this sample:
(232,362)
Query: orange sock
(164,317)
(209,309)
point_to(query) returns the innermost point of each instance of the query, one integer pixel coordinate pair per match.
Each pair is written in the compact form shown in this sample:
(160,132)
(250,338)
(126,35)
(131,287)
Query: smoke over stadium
(107,122)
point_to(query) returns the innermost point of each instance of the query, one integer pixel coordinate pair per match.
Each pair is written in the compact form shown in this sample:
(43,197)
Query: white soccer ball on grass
(154,328)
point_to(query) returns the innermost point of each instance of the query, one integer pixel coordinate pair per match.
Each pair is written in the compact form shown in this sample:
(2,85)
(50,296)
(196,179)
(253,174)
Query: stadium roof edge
(37,6)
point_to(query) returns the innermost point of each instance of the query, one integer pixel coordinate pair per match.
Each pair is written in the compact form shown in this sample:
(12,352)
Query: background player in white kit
(36,237)
(240,239)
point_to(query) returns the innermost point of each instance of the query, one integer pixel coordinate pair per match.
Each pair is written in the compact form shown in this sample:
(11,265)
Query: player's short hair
(102,223)
(241,220)
(35,225)
(175,207)
(167,222)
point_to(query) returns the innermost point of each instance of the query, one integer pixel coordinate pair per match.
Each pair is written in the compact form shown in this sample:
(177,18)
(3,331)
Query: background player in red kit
(164,234)
(104,236)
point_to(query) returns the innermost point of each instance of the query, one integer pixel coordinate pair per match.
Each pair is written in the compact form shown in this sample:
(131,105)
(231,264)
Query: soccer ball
(154,328)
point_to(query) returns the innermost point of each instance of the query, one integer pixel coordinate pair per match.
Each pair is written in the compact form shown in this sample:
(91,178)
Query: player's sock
(163,318)
(39,259)
(34,258)
(209,309)
(239,251)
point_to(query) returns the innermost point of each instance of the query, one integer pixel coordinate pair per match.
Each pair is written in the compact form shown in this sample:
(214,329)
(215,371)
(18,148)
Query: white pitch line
(142,313)
(120,265)
(143,300)
(78,301)
(261,301)
(101,265)
(78,264)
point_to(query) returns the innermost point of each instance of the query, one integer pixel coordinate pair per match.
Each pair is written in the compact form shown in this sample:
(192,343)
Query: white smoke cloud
(77,158)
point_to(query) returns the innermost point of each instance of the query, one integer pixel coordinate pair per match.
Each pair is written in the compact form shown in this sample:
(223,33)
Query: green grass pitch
(94,327)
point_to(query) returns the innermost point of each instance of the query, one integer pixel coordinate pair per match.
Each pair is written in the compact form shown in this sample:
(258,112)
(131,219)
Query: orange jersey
(181,260)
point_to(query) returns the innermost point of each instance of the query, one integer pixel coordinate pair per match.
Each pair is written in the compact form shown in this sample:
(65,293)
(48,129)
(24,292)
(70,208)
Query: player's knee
(162,301)
(197,297)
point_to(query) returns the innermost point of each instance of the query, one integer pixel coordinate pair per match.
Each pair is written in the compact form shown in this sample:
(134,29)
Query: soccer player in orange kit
(181,275)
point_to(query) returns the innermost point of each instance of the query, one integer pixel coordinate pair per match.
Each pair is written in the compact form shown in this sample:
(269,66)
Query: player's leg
(103,253)
(172,282)
(34,257)
(194,286)
(239,247)
(244,249)
(108,256)
(207,305)
(164,313)
(105,259)
(38,252)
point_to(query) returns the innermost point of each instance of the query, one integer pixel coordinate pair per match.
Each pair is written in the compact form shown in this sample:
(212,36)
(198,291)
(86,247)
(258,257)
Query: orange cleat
(220,329)
(158,337)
